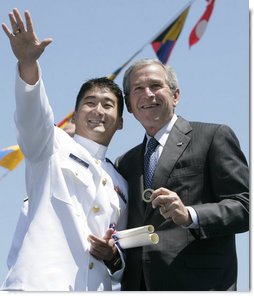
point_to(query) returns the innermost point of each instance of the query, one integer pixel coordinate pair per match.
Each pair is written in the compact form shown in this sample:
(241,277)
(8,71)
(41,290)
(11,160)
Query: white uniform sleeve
(34,119)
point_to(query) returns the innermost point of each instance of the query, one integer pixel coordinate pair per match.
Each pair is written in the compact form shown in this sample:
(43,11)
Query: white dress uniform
(73,192)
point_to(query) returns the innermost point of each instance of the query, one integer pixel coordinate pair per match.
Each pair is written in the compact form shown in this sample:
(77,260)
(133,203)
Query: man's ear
(176,96)
(120,123)
(73,119)
(127,103)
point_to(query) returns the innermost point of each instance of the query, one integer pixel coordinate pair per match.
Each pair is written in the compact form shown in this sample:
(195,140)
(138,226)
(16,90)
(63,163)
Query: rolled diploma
(134,231)
(142,239)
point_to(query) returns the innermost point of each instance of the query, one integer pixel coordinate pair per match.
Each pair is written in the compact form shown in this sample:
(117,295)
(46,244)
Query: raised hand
(25,44)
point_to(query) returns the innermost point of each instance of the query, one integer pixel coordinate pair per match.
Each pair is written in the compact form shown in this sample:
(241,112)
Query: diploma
(139,240)
(134,231)
(136,237)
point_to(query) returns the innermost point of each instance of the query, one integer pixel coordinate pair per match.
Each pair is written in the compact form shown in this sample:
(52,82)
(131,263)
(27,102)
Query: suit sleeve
(34,119)
(229,181)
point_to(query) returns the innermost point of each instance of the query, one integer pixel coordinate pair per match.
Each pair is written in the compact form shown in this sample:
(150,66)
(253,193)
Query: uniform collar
(96,150)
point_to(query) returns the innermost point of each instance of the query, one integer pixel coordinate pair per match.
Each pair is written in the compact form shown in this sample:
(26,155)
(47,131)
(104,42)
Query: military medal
(146,196)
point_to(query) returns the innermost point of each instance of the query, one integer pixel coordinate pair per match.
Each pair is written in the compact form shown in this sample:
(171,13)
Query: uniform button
(76,173)
(91,265)
(96,209)
(104,181)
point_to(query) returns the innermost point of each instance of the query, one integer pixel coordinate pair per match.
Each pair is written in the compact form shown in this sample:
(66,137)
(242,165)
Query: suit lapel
(135,178)
(176,143)
(138,166)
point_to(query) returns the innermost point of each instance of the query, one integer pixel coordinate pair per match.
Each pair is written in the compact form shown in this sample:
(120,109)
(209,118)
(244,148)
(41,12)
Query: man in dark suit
(201,194)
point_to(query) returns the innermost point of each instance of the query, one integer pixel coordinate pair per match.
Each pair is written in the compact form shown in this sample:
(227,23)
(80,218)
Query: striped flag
(164,43)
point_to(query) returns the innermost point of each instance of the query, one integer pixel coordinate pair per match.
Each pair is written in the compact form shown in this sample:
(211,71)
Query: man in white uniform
(63,241)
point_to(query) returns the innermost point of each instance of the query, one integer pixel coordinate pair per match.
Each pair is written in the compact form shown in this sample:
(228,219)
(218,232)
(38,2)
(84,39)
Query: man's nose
(148,91)
(99,108)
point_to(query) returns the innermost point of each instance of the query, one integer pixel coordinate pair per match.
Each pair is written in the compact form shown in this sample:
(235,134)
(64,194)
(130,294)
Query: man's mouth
(93,121)
(149,106)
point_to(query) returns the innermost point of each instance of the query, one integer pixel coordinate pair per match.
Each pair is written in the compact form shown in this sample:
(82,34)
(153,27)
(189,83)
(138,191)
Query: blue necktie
(150,162)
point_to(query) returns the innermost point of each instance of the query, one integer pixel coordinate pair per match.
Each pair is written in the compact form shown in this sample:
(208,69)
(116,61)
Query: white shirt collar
(96,150)
(162,135)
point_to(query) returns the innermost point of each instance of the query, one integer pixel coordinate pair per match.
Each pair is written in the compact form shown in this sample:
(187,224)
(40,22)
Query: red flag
(199,29)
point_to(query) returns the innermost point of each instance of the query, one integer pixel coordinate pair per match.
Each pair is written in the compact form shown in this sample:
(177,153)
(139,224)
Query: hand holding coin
(170,206)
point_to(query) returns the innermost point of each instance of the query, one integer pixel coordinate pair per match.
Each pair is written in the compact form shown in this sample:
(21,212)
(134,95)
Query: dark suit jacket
(204,165)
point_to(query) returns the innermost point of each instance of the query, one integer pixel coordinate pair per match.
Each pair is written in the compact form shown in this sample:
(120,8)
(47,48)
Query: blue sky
(93,38)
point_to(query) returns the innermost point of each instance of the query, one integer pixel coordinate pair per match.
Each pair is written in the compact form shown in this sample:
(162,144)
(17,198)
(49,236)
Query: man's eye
(156,86)
(109,105)
(137,88)
(89,103)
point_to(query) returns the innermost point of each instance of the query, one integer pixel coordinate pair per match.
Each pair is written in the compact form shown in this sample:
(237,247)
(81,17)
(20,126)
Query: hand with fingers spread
(171,206)
(25,44)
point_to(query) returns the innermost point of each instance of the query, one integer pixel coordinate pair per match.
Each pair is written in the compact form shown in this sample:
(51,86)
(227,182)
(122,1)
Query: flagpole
(116,72)
(4,175)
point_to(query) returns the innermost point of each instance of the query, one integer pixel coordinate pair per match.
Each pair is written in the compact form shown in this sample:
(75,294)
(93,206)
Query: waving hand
(25,44)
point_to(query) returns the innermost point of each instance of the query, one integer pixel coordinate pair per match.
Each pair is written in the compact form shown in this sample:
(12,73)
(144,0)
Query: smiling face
(150,99)
(97,116)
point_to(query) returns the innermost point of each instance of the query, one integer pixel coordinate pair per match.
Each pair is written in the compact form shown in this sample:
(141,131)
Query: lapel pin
(179,144)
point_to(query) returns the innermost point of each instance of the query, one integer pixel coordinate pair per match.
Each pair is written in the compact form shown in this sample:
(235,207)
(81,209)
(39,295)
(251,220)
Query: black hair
(102,83)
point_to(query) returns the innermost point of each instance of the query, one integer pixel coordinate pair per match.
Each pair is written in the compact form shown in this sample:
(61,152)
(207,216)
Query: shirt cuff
(194,218)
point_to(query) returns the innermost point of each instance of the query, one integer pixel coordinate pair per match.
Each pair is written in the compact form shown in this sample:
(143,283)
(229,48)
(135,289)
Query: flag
(66,120)
(10,157)
(199,29)
(116,72)
(164,43)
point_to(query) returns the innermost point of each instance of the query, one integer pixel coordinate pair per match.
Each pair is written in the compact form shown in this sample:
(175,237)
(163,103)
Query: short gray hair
(171,77)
